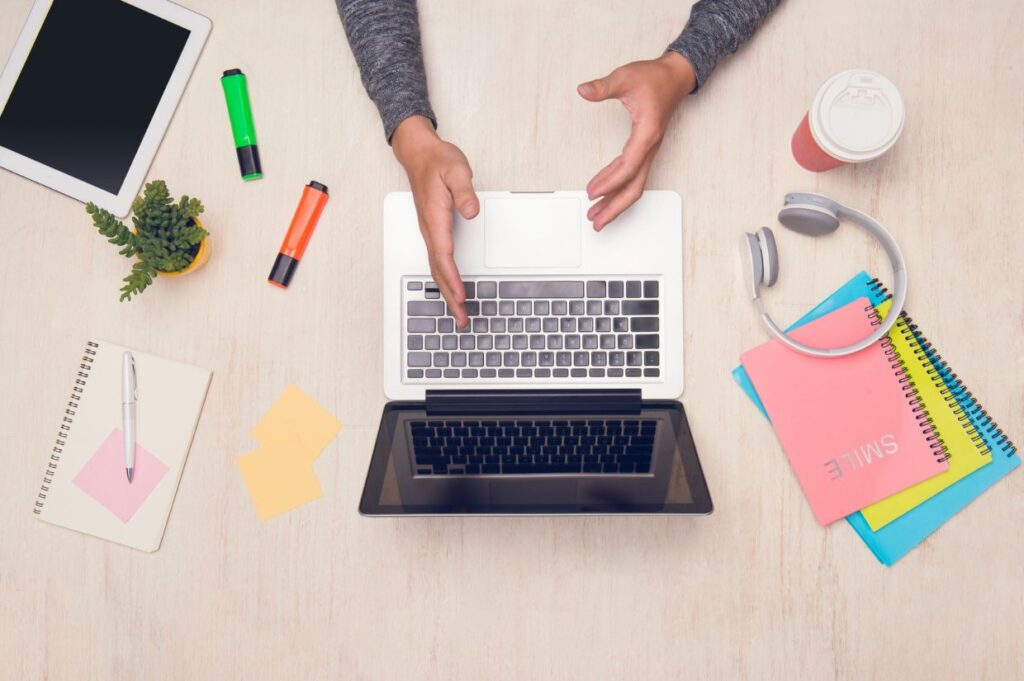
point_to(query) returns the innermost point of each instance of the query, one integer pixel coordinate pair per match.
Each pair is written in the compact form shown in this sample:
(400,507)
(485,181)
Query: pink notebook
(850,430)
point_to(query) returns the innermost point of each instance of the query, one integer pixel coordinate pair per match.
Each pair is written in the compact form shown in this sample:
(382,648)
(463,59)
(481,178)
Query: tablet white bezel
(119,204)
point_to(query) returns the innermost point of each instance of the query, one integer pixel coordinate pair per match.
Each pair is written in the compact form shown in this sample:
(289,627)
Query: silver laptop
(558,397)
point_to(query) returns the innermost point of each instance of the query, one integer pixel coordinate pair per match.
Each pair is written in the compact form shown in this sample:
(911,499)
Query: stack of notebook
(889,437)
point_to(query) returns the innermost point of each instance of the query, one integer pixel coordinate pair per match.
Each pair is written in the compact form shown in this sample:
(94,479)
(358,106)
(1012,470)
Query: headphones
(816,215)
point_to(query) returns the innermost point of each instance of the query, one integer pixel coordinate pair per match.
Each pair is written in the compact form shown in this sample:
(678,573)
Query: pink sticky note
(103,477)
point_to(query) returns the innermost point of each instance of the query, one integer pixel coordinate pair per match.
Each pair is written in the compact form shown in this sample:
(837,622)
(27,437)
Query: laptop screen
(527,463)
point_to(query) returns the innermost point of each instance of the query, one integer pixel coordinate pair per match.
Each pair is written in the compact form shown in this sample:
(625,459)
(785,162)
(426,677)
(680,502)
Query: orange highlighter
(314,198)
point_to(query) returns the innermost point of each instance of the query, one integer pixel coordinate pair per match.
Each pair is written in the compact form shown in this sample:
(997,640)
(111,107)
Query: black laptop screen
(521,464)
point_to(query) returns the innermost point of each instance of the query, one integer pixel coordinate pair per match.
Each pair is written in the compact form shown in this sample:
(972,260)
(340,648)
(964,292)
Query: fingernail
(586,89)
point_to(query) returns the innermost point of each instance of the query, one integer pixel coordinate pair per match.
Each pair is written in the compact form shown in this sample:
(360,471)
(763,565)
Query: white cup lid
(857,115)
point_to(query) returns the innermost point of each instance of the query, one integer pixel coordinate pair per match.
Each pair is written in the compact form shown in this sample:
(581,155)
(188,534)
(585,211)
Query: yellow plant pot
(201,257)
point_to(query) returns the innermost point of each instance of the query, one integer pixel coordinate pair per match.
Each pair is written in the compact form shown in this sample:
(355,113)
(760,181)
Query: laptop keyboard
(583,329)
(523,447)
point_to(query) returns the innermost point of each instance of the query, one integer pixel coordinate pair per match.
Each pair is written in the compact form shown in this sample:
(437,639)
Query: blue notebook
(895,540)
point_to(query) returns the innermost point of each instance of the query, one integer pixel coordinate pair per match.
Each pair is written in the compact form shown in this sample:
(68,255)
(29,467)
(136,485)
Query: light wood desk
(757,590)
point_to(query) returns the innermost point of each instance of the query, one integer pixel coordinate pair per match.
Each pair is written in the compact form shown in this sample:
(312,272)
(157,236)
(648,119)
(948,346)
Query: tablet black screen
(90,87)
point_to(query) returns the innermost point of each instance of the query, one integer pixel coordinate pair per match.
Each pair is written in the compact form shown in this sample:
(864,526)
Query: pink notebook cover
(847,427)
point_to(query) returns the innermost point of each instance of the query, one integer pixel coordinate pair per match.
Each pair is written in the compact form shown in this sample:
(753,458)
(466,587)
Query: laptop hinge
(503,402)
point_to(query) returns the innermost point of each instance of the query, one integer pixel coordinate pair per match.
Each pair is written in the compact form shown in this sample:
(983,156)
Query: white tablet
(89,90)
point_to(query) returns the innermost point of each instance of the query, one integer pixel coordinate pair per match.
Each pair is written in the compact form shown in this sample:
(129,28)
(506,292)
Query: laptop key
(603,325)
(597,373)
(633,289)
(651,359)
(576,307)
(418,359)
(529,359)
(596,289)
(550,325)
(625,342)
(451,373)
(449,342)
(524,373)
(440,359)
(425,308)
(633,373)
(446,325)
(554,343)
(564,359)
(506,308)
(486,289)
(470,289)
(532,325)
(510,359)
(577,373)
(647,341)
(594,307)
(590,342)
(599,358)
(586,325)
(560,373)
(572,342)
(640,308)
(467,343)
(617,359)
(652,373)
(421,325)
(547,359)
(519,342)
(524,308)
(502,342)
(634,359)
(537,342)
(494,359)
(415,342)
(615,289)
(415,373)
(506,373)
(559,307)
(607,341)
(541,308)
(415,286)
(581,359)
(515,325)
(476,359)
(541,289)
(433,373)
(611,307)
(488,373)
(484,343)
(615,373)
(479,325)
(650,289)
(542,373)
(432,294)
(489,308)
(458,359)
(645,324)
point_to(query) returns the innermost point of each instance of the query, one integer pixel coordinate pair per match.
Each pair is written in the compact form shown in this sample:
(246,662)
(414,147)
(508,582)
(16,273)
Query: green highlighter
(236,94)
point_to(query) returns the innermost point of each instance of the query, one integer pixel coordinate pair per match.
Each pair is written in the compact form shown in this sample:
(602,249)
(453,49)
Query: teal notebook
(895,540)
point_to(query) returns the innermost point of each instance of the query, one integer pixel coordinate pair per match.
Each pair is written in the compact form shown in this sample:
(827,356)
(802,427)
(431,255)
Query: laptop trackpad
(533,232)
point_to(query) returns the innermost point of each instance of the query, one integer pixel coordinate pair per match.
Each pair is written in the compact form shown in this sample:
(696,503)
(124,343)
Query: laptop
(560,396)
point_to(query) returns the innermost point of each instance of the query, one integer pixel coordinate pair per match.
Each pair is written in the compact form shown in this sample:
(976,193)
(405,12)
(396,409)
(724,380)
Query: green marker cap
(236,94)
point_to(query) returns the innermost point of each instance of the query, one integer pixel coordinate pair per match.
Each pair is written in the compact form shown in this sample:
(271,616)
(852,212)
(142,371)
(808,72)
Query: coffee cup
(856,116)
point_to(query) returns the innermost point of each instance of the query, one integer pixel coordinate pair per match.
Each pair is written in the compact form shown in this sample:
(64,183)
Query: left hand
(650,90)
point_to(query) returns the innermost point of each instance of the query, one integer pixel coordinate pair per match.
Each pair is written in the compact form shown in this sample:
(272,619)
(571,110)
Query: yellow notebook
(966,450)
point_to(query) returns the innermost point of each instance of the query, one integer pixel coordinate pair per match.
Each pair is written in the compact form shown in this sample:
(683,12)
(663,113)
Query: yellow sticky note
(298,423)
(967,452)
(277,481)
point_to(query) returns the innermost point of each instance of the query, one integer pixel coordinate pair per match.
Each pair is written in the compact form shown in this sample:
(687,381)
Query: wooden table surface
(757,590)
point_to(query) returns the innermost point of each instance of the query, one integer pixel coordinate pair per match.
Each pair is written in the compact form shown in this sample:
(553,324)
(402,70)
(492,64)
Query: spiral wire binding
(82,376)
(963,397)
(952,389)
(910,391)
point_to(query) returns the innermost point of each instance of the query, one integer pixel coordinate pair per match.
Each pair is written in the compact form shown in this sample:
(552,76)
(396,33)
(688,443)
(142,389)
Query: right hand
(441,181)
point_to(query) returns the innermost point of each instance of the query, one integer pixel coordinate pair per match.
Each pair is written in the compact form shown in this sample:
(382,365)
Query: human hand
(650,90)
(441,180)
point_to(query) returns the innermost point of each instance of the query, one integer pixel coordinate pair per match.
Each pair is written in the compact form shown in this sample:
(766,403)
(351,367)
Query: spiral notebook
(84,486)
(898,538)
(852,427)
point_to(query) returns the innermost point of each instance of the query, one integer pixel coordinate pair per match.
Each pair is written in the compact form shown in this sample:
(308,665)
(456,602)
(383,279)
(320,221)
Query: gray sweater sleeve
(717,28)
(385,39)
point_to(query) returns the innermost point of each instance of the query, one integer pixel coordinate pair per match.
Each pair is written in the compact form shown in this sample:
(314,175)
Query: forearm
(717,28)
(385,40)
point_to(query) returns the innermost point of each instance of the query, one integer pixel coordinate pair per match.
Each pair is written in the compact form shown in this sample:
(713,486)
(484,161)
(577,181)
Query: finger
(438,235)
(611,206)
(460,183)
(637,150)
(446,274)
(609,87)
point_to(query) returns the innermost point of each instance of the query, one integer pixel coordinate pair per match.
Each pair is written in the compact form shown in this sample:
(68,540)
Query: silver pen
(129,393)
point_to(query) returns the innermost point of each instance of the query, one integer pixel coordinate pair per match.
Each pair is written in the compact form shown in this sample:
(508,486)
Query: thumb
(466,202)
(601,89)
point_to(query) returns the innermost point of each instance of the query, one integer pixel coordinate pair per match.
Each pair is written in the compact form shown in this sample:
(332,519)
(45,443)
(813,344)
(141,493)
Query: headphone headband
(815,214)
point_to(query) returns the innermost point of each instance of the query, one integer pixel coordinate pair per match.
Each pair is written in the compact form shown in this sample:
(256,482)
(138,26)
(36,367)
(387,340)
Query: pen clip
(135,378)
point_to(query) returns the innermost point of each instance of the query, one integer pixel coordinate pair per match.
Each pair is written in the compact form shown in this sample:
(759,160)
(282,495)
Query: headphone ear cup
(756,260)
(769,256)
